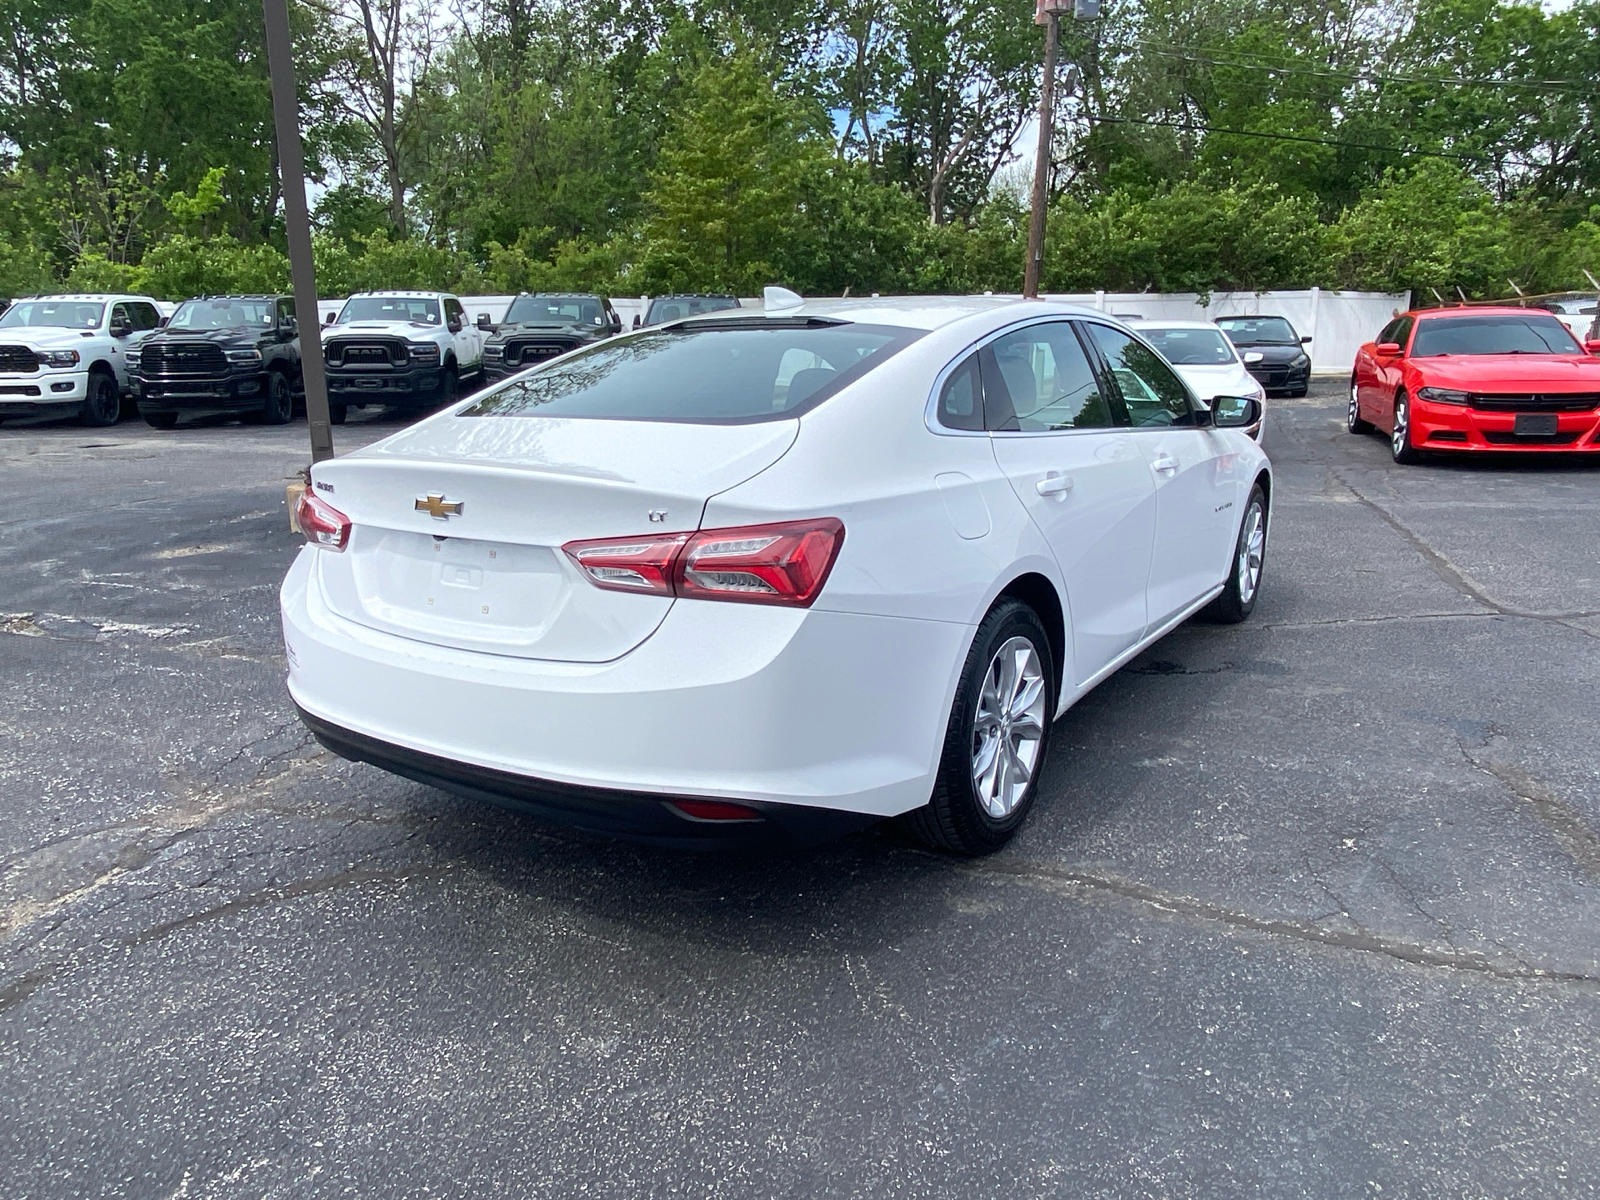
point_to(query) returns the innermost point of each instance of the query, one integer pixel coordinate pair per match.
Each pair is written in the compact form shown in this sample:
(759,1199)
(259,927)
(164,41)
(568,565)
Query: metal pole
(292,170)
(1041,164)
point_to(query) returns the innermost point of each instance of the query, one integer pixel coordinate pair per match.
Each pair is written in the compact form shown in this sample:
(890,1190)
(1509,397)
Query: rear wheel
(1238,598)
(279,406)
(1400,445)
(337,413)
(996,739)
(104,404)
(1352,414)
(161,420)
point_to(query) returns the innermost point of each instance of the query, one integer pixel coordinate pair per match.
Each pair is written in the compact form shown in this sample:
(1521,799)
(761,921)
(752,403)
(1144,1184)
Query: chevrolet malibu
(779,572)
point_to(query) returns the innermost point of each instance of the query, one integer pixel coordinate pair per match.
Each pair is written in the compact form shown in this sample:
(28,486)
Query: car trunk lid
(459,523)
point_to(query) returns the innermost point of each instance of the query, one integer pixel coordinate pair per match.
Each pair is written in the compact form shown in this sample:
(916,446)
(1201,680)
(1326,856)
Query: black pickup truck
(220,354)
(542,325)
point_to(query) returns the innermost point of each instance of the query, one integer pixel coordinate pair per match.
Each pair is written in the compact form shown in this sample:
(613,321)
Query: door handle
(1165,464)
(1053,484)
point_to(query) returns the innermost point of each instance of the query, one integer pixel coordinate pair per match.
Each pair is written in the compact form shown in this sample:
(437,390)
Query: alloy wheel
(1252,549)
(1353,414)
(1402,427)
(1008,728)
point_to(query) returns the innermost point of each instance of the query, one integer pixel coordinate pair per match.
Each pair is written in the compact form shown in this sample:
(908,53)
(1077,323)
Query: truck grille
(181,358)
(1536,402)
(373,352)
(525,352)
(18,360)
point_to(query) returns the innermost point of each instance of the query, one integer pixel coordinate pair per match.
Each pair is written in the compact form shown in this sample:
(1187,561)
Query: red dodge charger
(1477,379)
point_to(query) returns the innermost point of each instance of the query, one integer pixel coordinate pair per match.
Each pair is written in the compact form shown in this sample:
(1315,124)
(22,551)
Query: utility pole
(1047,13)
(292,166)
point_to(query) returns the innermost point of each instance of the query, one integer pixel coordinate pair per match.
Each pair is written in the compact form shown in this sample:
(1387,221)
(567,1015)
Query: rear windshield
(390,308)
(675,308)
(555,310)
(734,372)
(1190,347)
(1508,334)
(1259,331)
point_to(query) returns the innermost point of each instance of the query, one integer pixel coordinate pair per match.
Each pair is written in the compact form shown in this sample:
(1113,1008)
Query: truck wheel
(337,413)
(161,420)
(104,404)
(279,406)
(451,387)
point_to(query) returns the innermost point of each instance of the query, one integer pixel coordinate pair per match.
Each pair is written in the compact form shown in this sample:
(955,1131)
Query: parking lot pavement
(1309,906)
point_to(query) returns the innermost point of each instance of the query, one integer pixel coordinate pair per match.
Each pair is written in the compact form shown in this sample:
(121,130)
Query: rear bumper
(1452,428)
(810,709)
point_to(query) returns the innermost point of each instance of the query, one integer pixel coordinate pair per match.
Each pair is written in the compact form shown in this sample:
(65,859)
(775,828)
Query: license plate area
(468,591)
(1535,425)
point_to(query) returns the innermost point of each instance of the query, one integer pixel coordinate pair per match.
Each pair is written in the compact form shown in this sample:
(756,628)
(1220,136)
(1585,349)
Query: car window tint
(285,311)
(961,397)
(1191,347)
(1038,379)
(1152,390)
(1401,331)
(1493,334)
(1258,331)
(735,373)
(390,308)
(1386,334)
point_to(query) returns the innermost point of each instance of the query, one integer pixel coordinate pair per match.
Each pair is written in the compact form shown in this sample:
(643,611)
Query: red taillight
(323,524)
(641,564)
(761,564)
(785,563)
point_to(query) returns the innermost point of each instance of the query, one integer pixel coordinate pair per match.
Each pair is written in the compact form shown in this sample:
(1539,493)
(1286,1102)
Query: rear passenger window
(1038,380)
(961,398)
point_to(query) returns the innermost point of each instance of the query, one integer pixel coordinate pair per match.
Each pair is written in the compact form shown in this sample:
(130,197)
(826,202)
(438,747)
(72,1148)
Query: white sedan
(1205,358)
(773,572)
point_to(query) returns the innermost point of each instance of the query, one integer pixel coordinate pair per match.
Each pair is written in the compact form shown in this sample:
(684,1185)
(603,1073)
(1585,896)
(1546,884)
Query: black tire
(1238,598)
(957,819)
(337,413)
(451,387)
(1352,413)
(103,405)
(161,420)
(1400,444)
(279,406)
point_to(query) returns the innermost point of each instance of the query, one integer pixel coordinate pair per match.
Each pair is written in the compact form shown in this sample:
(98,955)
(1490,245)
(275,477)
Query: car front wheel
(1352,415)
(1238,598)
(104,404)
(996,739)
(279,406)
(1400,445)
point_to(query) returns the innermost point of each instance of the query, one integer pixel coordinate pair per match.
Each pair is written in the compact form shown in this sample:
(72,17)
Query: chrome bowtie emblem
(437,507)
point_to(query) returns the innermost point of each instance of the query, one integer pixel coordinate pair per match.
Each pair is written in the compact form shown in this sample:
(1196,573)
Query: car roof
(410,294)
(97,297)
(1250,317)
(1163,323)
(1478,310)
(910,312)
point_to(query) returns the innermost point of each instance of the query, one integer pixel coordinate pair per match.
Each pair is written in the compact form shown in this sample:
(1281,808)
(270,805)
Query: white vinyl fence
(1337,322)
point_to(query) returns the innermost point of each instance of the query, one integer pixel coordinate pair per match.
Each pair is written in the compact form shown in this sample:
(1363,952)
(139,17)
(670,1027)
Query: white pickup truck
(410,349)
(66,355)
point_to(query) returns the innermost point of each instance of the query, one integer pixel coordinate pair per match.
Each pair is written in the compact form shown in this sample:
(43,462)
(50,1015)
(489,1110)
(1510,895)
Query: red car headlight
(1443,396)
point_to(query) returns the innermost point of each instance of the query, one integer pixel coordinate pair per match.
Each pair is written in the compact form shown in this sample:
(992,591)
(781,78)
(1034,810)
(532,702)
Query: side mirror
(328,320)
(291,326)
(119,330)
(1235,412)
(1592,345)
(636,320)
(453,325)
(484,322)
(1306,341)
(1388,349)
(161,323)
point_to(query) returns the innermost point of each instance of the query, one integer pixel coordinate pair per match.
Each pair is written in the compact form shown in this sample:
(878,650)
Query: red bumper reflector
(714,810)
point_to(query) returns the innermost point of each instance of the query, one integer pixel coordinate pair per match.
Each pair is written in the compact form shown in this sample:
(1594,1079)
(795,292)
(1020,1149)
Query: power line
(1189,127)
(1573,86)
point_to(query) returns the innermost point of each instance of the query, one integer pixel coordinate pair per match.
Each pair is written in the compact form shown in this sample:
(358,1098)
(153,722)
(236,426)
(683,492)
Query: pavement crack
(23,986)
(271,897)
(1563,820)
(1415,954)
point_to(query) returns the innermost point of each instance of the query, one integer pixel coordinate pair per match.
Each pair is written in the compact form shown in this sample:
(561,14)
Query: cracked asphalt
(1308,907)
